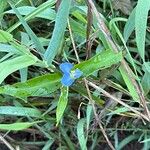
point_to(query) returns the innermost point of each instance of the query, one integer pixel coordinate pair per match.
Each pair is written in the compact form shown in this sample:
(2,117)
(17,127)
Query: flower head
(69,75)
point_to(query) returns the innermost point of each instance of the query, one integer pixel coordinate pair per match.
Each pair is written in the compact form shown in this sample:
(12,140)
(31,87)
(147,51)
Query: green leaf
(7,48)
(80,134)
(39,86)
(78,28)
(3,4)
(141,16)
(67,139)
(62,104)
(47,13)
(32,35)
(146,82)
(12,65)
(126,141)
(89,113)
(119,111)
(5,37)
(48,144)
(59,30)
(23,74)
(17,126)
(37,12)
(19,111)
(100,61)
(129,84)
(129,26)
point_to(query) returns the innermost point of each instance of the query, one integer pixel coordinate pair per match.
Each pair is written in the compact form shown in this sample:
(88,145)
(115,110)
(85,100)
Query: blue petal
(67,80)
(66,67)
(77,73)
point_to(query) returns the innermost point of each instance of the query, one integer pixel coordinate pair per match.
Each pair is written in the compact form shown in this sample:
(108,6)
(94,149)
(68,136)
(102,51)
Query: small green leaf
(89,113)
(17,126)
(5,37)
(19,111)
(80,134)
(62,104)
(100,61)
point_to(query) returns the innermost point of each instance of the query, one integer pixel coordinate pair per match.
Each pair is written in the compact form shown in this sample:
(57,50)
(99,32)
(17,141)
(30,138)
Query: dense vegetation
(74,74)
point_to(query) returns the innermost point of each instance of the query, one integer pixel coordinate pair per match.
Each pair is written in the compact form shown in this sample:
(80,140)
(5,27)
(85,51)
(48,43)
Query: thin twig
(73,43)
(117,100)
(89,94)
(6,142)
(88,31)
(96,116)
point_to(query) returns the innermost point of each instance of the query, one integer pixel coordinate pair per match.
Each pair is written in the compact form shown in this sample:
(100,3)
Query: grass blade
(129,26)
(19,111)
(80,134)
(62,103)
(12,65)
(17,126)
(33,37)
(140,25)
(59,30)
(33,14)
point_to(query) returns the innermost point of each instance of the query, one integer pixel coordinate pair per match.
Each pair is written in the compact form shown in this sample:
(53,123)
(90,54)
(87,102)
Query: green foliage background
(108,40)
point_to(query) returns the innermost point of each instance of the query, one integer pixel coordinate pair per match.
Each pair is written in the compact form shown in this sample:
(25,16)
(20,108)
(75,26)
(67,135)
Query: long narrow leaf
(19,111)
(80,134)
(62,104)
(17,126)
(141,15)
(58,33)
(129,26)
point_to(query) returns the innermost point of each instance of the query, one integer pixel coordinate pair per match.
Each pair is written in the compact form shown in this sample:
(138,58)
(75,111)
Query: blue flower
(69,75)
